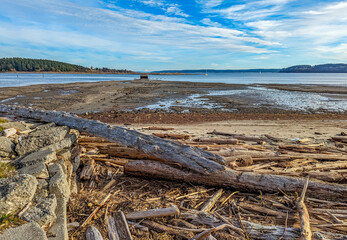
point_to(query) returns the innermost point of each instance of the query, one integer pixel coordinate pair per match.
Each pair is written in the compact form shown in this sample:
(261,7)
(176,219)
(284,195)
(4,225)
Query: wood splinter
(305,229)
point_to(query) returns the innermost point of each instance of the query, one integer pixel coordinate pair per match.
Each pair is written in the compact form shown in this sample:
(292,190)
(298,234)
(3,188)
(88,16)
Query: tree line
(43,65)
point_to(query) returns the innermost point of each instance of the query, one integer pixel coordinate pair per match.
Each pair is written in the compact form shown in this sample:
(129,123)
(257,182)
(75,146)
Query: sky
(147,35)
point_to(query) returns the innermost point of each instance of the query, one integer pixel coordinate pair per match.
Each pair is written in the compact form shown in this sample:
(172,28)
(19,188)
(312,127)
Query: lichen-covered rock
(6,147)
(38,170)
(40,138)
(16,192)
(41,191)
(29,231)
(8,132)
(58,184)
(65,143)
(43,213)
(43,156)
(16,125)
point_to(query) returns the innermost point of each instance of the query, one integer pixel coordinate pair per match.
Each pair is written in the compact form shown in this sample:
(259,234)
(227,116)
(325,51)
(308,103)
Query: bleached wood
(152,213)
(173,153)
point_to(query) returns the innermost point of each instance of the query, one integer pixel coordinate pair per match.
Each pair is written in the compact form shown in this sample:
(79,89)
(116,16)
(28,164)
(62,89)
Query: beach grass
(6,170)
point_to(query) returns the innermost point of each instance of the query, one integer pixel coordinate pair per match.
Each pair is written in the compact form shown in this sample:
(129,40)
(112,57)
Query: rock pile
(45,158)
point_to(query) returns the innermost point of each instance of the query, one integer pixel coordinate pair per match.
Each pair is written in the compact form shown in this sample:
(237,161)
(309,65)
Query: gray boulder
(43,213)
(38,170)
(40,138)
(58,184)
(16,192)
(6,147)
(29,231)
(44,156)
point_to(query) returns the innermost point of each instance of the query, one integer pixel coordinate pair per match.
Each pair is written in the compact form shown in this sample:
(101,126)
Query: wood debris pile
(270,189)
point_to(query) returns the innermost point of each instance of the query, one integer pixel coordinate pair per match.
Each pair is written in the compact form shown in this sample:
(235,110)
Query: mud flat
(179,97)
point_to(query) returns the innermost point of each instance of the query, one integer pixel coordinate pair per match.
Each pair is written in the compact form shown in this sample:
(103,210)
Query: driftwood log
(247,181)
(170,152)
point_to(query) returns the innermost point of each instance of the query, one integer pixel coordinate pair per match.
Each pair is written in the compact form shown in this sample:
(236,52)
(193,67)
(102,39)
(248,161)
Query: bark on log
(173,153)
(247,181)
(161,212)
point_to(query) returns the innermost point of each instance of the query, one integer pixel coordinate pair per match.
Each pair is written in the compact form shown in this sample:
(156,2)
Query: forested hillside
(43,65)
(323,68)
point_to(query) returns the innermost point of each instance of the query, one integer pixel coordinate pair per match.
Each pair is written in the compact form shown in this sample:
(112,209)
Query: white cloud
(209,3)
(175,10)
(209,22)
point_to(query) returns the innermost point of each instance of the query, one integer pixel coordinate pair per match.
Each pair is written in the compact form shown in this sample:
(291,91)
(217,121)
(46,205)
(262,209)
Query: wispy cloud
(158,32)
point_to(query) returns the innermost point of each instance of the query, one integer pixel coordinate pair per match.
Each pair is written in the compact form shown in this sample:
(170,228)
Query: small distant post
(144,77)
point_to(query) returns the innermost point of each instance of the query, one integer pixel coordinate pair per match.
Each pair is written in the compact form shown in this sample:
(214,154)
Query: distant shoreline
(97,73)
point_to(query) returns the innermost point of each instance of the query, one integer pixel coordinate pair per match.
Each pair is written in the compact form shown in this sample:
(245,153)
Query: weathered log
(117,227)
(124,152)
(253,154)
(172,135)
(158,128)
(93,234)
(162,228)
(237,136)
(217,140)
(247,181)
(340,138)
(173,153)
(88,170)
(160,212)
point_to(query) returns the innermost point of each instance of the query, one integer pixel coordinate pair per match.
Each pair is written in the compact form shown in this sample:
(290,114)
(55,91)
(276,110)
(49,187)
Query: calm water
(11,79)
(261,96)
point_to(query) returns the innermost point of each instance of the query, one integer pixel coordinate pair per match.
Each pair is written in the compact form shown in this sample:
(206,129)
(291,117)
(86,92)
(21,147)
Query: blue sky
(176,34)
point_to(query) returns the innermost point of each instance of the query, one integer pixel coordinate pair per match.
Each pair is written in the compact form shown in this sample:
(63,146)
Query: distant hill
(323,68)
(202,71)
(43,65)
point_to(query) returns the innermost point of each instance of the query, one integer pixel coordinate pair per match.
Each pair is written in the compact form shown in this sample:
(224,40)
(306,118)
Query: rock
(41,191)
(29,231)
(40,138)
(38,170)
(75,163)
(6,147)
(65,154)
(58,184)
(65,143)
(44,156)
(8,132)
(16,192)
(16,125)
(43,213)
(59,228)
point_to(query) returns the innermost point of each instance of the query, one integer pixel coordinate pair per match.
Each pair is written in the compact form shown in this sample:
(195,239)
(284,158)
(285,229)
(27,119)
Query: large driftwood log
(173,153)
(247,181)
